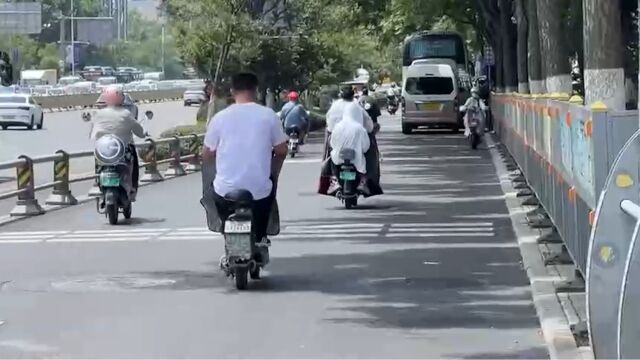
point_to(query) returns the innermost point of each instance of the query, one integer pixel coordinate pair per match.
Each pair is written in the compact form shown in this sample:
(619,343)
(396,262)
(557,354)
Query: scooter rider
(476,105)
(248,146)
(370,105)
(293,114)
(114,119)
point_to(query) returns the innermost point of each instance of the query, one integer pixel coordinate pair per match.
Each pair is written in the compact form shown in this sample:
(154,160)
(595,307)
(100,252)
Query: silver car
(191,97)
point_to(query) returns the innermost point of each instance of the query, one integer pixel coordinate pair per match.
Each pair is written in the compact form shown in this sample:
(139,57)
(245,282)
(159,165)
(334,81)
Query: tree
(523,43)
(556,58)
(509,45)
(604,69)
(537,84)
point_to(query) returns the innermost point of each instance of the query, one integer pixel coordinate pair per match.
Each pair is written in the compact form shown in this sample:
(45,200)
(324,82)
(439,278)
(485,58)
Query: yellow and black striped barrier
(151,173)
(27,204)
(61,194)
(175,166)
(195,148)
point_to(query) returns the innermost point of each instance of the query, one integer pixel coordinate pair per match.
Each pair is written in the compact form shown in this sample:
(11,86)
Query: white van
(430,97)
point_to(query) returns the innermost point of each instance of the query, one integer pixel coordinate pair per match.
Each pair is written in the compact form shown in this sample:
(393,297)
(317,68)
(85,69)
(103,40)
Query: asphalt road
(431,269)
(66,131)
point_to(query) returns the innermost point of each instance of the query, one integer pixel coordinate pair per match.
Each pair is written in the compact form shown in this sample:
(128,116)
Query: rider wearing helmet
(114,119)
(474,106)
(294,115)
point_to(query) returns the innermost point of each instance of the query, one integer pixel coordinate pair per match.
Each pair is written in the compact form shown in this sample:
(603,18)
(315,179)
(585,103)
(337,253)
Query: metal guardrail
(183,149)
(583,165)
(62,102)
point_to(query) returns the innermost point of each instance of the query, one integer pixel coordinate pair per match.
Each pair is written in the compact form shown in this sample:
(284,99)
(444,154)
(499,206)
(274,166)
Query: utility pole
(163,51)
(73,45)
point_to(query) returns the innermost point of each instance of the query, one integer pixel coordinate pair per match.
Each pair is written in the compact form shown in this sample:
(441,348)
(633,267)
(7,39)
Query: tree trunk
(499,61)
(523,43)
(509,61)
(217,78)
(628,11)
(604,71)
(536,79)
(556,66)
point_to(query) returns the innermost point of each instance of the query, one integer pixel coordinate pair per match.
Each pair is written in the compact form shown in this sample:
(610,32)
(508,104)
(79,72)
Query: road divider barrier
(181,150)
(79,101)
(580,165)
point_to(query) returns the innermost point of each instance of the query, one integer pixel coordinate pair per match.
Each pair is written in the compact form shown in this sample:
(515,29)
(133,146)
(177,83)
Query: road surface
(431,269)
(66,131)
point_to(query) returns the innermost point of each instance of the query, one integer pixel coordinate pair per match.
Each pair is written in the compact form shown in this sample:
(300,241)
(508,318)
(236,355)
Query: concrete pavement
(430,269)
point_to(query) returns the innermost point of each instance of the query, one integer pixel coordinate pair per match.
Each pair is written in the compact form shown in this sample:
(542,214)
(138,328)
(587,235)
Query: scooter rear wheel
(350,203)
(112,214)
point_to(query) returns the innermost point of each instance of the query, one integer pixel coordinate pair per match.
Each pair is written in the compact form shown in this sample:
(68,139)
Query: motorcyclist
(393,92)
(336,111)
(474,106)
(294,115)
(116,120)
(350,134)
(370,105)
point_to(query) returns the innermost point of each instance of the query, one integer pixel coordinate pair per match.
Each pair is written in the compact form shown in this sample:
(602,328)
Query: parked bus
(435,45)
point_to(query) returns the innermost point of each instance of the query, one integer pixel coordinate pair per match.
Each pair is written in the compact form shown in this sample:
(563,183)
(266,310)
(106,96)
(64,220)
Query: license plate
(294,141)
(109,180)
(238,245)
(430,106)
(237,227)
(348,175)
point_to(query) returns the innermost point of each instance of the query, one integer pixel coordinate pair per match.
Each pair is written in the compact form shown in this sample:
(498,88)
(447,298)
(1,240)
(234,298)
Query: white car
(20,110)
(191,97)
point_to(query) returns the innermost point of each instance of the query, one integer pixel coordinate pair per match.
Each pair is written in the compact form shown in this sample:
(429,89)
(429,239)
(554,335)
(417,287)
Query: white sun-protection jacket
(337,111)
(350,134)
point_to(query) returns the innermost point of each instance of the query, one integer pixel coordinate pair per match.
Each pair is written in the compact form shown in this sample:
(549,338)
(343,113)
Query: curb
(553,322)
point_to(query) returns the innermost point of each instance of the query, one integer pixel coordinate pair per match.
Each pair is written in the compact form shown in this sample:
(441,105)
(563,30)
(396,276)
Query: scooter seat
(239,197)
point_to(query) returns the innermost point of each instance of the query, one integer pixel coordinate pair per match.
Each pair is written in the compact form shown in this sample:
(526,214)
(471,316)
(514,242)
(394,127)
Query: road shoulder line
(553,322)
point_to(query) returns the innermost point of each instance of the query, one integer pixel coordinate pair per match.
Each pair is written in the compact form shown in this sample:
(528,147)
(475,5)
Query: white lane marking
(302,161)
(334,226)
(427,158)
(449,234)
(120,231)
(98,236)
(392,230)
(451,224)
(296,232)
(34,232)
(101,239)
(26,237)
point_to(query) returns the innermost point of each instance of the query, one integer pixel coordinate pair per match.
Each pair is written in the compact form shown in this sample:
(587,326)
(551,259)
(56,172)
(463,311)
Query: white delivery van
(430,96)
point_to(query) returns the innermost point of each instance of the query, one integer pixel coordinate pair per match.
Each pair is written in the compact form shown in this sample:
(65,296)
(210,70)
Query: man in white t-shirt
(249,147)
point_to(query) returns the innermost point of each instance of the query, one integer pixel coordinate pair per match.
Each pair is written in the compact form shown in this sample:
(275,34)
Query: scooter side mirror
(148,114)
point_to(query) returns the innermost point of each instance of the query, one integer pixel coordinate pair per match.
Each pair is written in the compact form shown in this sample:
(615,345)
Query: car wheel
(30,126)
(41,124)
(407,129)
(4,127)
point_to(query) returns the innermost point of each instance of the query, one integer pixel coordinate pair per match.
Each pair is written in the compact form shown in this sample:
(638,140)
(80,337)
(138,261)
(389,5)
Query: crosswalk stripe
(293,231)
